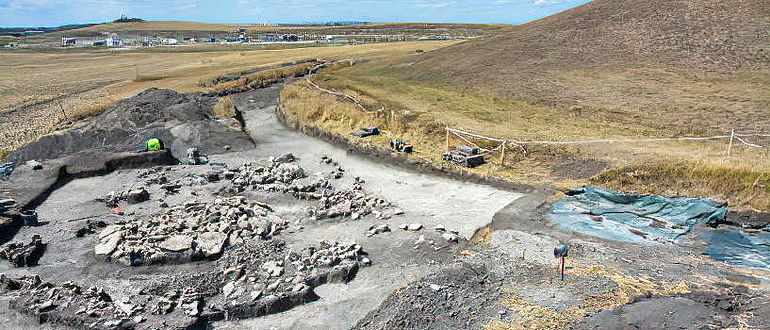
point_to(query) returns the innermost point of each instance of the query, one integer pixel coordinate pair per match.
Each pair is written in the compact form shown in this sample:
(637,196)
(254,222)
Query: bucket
(29,217)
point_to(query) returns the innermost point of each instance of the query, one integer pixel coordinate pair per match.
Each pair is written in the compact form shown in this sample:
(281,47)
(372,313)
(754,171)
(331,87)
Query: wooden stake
(730,146)
(502,153)
(447,140)
(62,111)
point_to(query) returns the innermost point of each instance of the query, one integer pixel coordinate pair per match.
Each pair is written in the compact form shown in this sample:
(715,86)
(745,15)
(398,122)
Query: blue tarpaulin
(633,218)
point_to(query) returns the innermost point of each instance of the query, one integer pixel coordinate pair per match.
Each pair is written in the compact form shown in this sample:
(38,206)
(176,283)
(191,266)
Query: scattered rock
(24,255)
(34,165)
(210,244)
(282,175)
(414,227)
(138,195)
(451,237)
(177,243)
(213,175)
(374,230)
(189,232)
(195,157)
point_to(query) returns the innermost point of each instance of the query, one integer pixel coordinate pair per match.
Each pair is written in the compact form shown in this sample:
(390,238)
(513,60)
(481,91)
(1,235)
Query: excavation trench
(68,192)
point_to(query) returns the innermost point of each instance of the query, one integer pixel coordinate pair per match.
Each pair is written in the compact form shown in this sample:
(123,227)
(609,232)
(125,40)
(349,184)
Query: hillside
(567,57)
(704,35)
(610,69)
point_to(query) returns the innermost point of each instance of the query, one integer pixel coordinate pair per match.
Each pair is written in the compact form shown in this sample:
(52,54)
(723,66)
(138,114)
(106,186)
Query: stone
(21,255)
(228,288)
(109,230)
(213,175)
(192,309)
(254,295)
(137,195)
(414,227)
(286,158)
(177,243)
(211,244)
(451,237)
(440,228)
(404,226)
(273,269)
(35,165)
(107,245)
(374,230)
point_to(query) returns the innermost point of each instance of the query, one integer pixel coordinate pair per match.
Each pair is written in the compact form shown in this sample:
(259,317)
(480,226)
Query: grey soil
(417,279)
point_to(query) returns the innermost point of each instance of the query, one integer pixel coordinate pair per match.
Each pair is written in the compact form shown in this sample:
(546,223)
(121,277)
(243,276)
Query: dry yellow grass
(417,112)
(224,108)
(629,287)
(84,82)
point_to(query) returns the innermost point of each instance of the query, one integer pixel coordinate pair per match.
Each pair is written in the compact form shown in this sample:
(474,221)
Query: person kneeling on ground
(153,144)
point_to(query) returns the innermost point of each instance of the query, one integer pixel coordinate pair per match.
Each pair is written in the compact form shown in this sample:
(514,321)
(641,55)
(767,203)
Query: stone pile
(6,204)
(284,176)
(265,277)
(90,227)
(131,196)
(24,255)
(194,231)
(67,303)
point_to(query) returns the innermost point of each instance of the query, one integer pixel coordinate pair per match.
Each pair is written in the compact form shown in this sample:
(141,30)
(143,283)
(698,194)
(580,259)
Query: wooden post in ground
(730,146)
(502,153)
(446,145)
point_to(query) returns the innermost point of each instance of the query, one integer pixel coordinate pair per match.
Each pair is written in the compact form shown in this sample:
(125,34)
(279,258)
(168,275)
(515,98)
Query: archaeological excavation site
(585,165)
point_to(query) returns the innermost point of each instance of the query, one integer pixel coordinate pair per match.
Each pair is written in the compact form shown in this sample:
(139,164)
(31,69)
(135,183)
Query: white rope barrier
(358,103)
(460,134)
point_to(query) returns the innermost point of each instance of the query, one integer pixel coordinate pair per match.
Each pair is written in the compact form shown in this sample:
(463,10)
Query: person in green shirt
(154,144)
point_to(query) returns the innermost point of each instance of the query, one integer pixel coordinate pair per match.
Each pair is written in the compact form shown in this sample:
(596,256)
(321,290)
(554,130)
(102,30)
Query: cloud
(434,4)
(544,3)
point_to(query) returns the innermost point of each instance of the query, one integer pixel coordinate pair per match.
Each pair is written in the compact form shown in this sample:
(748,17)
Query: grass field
(418,110)
(50,85)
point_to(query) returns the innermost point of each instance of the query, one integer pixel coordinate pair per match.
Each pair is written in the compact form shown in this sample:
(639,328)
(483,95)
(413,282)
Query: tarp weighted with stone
(633,218)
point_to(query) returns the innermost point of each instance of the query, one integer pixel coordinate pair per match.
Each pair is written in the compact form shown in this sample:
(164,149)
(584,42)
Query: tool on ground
(401,146)
(5,170)
(561,252)
(367,131)
(465,156)
(29,217)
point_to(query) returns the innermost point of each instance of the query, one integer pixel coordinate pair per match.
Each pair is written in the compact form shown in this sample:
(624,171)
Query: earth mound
(181,120)
(696,36)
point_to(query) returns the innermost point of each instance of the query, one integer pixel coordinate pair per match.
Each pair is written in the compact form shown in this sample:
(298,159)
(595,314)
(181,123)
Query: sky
(61,12)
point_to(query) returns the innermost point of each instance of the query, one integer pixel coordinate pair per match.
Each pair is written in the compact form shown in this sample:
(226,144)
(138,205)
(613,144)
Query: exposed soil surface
(324,238)
(181,121)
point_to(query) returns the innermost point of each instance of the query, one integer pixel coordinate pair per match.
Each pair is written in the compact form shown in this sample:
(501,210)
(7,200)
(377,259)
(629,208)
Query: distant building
(113,41)
(337,39)
(78,41)
(278,38)
(270,38)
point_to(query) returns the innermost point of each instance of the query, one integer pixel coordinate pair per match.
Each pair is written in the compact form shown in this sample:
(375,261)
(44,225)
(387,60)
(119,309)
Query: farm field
(46,85)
